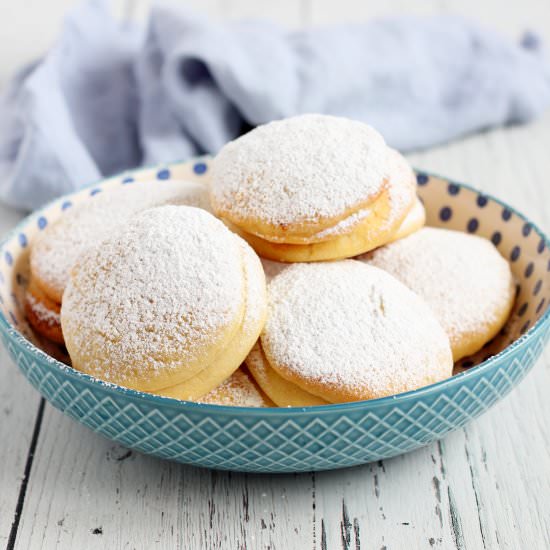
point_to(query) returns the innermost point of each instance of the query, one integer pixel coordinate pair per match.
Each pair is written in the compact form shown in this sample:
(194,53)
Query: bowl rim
(476,371)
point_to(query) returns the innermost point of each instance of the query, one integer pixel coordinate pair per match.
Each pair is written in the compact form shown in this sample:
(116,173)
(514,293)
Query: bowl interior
(448,204)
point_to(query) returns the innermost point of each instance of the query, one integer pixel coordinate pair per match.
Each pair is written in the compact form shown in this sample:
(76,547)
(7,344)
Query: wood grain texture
(483,487)
(18,410)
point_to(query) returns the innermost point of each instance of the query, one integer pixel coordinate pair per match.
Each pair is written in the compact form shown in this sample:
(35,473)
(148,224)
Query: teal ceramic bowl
(295,439)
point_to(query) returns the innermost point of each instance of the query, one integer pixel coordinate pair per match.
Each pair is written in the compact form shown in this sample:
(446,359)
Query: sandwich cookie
(159,301)
(312,188)
(347,331)
(463,278)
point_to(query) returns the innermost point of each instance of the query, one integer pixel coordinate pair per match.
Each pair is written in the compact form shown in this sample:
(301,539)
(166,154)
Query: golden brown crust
(43,313)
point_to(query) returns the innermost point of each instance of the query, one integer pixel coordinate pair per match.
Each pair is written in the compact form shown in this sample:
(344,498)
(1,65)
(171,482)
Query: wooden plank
(18,413)
(18,410)
(103,496)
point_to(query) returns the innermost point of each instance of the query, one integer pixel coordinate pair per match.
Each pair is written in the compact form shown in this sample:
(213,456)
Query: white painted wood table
(486,486)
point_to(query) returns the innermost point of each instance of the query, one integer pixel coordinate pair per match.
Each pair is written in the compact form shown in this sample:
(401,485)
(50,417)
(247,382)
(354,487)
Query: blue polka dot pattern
(66,205)
(516,251)
(422,179)
(8,257)
(42,222)
(200,168)
(473,224)
(496,238)
(541,305)
(128,180)
(523,309)
(482,201)
(526,229)
(453,189)
(538,286)
(94,192)
(445,214)
(506,214)
(529,269)
(163,174)
(22,240)
(540,247)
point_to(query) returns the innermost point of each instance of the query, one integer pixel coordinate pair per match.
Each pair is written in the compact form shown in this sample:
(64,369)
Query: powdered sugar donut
(347,331)
(158,301)
(312,188)
(463,278)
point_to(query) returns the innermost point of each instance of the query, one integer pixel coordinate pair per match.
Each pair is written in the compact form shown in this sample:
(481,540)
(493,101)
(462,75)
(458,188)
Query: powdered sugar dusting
(237,391)
(44,314)
(352,329)
(462,277)
(256,295)
(153,297)
(346,225)
(401,193)
(86,224)
(272,268)
(299,169)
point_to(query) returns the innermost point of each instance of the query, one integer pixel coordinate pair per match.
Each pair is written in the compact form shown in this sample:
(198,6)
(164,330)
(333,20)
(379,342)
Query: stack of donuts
(301,275)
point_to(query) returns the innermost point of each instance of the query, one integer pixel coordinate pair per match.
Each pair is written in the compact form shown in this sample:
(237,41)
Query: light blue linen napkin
(110,96)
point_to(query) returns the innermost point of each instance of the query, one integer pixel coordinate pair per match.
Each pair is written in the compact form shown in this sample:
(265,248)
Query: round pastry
(88,223)
(239,390)
(312,188)
(157,302)
(43,313)
(347,331)
(281,391)
(463,278)
(237,349)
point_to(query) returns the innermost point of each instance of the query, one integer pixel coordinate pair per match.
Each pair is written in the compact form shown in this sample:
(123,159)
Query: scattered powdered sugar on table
(299,169)
(88,223)
(462,277)
(42,312)
(350,327)
(153,296)
(237,391)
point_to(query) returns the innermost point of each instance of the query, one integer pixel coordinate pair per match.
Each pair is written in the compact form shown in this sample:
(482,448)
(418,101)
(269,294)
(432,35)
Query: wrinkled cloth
(112,95)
